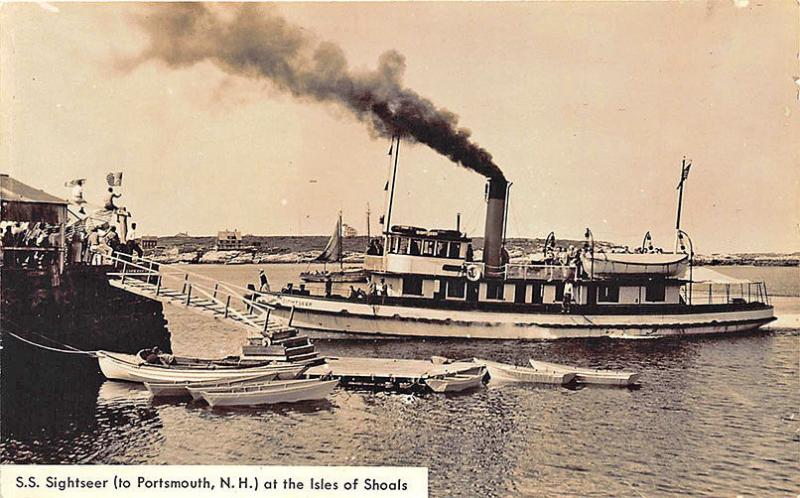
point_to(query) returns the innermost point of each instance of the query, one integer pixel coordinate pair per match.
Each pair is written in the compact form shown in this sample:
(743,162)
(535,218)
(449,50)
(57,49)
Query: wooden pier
(270,336)
(387,373)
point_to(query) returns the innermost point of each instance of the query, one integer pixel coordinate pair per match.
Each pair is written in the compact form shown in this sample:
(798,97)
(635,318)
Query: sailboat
(333,253)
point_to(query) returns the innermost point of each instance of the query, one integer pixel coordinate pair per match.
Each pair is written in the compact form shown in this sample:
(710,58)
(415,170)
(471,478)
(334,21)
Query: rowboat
(589,375)
(132,368)
(667,264)
(197,391)
(181,388)
(266,394)
(456,382)
(502,372)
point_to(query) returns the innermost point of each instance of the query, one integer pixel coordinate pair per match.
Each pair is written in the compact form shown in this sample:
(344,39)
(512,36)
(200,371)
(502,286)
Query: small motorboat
(589,375)
(181,388)
(270,393)
(132,368)
(503,372)
(457,382)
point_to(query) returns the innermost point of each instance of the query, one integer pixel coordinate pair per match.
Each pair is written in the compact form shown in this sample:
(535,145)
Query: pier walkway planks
(374,370)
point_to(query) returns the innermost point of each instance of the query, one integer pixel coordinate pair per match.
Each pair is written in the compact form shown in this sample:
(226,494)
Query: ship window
(416,248)
(608,293)
(559,291)
(455,288)
(412,285)
(655,291)
(441,249)
(455,250)
(428,247)
(494,290)
(537,293)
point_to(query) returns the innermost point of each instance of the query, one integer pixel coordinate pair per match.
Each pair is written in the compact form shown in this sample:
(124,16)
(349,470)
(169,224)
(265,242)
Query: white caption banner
(135,481)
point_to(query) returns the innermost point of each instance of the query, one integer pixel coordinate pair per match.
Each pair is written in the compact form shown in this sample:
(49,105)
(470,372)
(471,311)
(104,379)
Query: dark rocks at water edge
(304,249)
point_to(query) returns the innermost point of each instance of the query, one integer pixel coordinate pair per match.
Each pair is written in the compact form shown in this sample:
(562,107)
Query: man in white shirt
(566,304)
(132,242)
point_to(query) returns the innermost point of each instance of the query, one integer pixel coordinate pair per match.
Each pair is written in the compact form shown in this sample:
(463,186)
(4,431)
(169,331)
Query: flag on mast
(684,174)
(114,179)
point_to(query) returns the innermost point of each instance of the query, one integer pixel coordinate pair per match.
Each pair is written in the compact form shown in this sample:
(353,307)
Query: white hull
(182,388)
(455,383)
(589,375)
(118,366)
(361,318)
(315,390)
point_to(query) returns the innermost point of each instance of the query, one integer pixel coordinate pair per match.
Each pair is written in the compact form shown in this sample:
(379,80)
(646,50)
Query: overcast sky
(587,107)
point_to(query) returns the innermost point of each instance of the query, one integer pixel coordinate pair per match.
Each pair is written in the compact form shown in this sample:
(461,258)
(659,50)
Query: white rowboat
(131,368)
(502,372)
(456,382)
(197,390)
(589,375)
(264,395)
(602,263)
(181,388)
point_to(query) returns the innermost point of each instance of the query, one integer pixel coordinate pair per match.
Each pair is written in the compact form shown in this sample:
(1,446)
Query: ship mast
(388,221)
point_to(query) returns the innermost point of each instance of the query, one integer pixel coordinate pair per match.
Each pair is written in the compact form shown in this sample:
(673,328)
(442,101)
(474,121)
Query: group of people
(104,240)
(375,292)
(30,245)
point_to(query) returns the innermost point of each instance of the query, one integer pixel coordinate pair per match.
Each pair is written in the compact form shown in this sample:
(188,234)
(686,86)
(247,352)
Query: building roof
(12,190)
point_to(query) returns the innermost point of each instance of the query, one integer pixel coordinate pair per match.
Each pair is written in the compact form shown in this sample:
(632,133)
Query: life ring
(473,273)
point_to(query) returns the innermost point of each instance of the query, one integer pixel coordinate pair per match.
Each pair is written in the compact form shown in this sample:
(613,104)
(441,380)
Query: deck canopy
(21,202)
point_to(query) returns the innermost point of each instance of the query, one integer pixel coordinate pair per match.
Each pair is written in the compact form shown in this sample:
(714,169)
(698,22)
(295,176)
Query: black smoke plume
(253,41)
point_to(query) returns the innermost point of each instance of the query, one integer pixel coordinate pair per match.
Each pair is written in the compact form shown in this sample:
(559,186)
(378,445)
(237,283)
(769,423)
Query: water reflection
(712,416)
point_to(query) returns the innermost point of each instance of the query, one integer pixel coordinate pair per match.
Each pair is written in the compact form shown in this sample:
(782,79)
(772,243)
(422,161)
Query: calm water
(714,416)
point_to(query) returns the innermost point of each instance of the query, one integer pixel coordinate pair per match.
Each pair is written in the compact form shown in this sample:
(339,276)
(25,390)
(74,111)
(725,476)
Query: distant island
(182,248)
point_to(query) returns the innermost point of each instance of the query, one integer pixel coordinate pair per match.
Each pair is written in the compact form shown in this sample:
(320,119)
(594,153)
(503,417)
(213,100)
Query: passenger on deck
(328,286)
(566,303)
(353,293)
(470,253)
(108,201)
(112,239)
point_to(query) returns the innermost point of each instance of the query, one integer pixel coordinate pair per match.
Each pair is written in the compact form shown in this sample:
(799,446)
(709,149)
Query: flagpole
(680,194)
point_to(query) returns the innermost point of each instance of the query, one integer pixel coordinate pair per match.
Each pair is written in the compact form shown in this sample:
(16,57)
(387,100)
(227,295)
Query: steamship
(425,283)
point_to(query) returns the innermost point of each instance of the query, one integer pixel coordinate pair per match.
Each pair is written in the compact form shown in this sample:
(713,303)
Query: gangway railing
(167,281)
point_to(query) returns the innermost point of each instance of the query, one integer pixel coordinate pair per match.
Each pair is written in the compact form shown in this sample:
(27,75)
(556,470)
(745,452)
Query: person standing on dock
(262,278)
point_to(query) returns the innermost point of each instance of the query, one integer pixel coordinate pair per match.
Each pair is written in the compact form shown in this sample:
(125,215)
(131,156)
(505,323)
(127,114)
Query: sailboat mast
(341,241)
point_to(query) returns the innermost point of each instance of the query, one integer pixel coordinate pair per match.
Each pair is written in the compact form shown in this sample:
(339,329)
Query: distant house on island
(148,242)
(230,240)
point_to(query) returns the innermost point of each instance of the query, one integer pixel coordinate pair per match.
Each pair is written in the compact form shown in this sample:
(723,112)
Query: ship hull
(345,317)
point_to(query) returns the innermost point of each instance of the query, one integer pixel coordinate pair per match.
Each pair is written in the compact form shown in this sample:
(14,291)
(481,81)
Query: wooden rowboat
(181,388)
(589,375)
(197,391)
(456,382)
(502,372)
(265,394)
(131,368)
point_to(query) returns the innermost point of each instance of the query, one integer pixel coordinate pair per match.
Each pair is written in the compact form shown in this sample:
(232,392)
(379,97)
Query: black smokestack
(252,40)
(493,231)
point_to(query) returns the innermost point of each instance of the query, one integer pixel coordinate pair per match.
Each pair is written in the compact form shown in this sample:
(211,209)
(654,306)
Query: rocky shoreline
(302,250)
